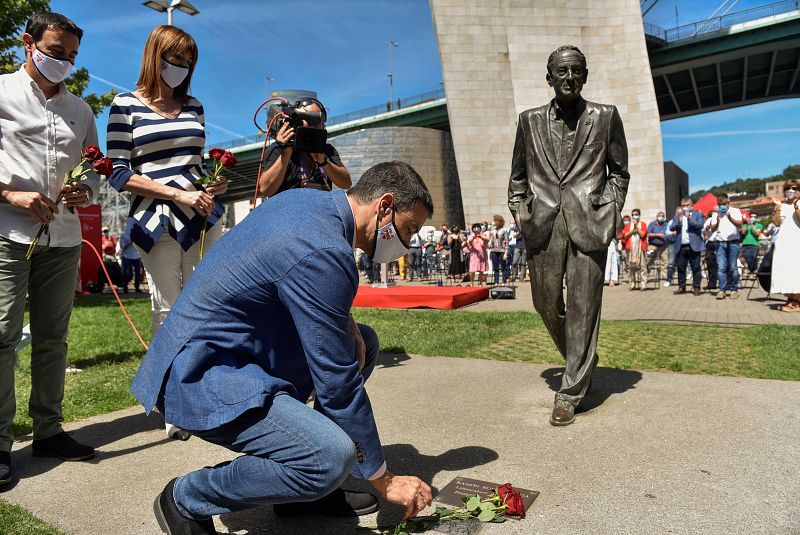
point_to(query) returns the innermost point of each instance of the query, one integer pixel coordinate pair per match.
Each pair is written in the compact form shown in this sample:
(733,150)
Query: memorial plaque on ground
(461,486)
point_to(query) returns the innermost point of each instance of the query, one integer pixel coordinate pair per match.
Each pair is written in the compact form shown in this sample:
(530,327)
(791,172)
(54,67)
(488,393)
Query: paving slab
(654,452)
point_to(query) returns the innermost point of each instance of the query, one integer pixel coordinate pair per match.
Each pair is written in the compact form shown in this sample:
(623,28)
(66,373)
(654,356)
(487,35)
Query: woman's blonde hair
(499,219)
(165,40)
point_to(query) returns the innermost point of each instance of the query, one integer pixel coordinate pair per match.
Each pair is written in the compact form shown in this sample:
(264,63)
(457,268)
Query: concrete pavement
(655,453)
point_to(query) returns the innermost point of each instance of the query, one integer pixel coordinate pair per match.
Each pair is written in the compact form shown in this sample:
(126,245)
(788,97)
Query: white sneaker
(666,284)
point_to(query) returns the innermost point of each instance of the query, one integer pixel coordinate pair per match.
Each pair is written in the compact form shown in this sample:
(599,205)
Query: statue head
(567,73)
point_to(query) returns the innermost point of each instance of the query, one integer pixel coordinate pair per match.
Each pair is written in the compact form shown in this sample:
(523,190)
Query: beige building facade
(494,61)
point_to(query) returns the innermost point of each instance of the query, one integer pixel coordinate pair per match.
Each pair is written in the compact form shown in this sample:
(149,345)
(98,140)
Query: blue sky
(340,49)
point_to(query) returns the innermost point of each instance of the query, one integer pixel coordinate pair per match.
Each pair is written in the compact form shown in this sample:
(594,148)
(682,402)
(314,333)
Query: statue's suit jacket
(590,190)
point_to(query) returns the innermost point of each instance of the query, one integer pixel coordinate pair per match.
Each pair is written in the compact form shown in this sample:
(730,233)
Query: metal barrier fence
(714,24)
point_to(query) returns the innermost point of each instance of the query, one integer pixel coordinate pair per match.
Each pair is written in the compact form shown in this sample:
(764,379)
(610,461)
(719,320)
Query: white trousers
(169,268)
(612,270)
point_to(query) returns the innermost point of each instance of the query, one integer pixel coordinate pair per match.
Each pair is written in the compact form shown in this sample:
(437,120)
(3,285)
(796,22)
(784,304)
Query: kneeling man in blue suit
(265,321)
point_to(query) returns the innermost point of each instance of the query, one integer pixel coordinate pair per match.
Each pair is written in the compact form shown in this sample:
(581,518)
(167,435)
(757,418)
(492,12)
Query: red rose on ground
(92,153)
(103,166)
(215,154)
(228,160)
(513,500)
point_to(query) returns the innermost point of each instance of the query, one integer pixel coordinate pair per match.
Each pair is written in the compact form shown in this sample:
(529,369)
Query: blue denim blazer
(267,313)
(696,242)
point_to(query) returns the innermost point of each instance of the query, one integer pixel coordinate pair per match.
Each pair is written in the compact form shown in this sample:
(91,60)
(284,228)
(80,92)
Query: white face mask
(54,70)
(173,75)
(388,245)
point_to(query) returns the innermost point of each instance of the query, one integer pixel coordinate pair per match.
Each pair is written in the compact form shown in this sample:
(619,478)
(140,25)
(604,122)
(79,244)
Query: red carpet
(442,297)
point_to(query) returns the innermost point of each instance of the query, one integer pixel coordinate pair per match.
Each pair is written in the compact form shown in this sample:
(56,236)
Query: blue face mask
(660,219)
(687,210)
(723,208)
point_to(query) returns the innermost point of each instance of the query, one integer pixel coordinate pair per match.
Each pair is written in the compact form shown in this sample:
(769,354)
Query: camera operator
(285,168)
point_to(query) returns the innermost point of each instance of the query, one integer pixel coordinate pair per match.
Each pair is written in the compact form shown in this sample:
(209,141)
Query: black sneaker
(62,446)
(5,467)
(339,503)
(172,522)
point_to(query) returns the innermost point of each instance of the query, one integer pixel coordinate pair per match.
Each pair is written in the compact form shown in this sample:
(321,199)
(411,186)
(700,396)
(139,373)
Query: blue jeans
(414,258)
(750,254)
(499,265)
(131,269)
(727,262)
(292,453)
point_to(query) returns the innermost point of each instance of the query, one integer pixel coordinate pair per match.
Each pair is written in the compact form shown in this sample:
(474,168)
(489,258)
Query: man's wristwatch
(325,162)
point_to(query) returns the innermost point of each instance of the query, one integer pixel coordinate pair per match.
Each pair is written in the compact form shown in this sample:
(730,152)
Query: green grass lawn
(17,521)
(102,344)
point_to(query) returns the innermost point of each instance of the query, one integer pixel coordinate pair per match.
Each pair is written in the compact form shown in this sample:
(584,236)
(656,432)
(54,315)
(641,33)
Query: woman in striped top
(155,139)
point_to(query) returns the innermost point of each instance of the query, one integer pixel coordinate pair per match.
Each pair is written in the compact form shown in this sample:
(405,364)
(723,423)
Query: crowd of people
(719,246)
(479,255)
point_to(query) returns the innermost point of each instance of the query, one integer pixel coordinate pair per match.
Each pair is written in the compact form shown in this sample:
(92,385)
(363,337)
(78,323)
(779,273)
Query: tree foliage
(756,186)
(13,16)
(77,83)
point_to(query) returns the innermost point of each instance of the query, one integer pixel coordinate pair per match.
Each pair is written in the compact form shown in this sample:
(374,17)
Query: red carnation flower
(92,153)
(513,500)
(103,166)
(228,160)
(215,154)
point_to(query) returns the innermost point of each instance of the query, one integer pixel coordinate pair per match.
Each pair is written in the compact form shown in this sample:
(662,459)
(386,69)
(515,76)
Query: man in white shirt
(43,132)
(727,223)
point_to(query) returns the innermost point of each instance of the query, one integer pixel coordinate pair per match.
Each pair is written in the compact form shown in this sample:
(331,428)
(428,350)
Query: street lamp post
(392,44)
(167,6)
(266,84)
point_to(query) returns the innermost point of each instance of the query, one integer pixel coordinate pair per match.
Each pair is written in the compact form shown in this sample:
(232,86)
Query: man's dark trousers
(687,256)
(712,267)
(585,273)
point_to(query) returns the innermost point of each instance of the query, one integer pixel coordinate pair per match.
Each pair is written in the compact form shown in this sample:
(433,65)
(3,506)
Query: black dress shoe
(563,412)
(5,467)
(170,520)
(696,291)
(62,446)
(339,503)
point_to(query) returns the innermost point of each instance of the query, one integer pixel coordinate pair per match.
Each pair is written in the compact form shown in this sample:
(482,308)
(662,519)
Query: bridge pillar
(494,55)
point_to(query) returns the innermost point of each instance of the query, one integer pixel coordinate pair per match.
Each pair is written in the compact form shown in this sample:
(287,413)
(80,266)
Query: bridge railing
(387,107)
(695,29)
(428,96)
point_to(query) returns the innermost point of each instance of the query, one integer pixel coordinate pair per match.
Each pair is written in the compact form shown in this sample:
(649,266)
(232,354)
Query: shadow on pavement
(97,435)
(404,457)
(390,360)
(605,382)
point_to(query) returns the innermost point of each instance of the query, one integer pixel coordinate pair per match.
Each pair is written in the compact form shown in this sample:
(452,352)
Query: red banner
(91,225)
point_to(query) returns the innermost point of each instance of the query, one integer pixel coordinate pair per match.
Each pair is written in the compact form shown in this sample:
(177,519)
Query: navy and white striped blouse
(169,151)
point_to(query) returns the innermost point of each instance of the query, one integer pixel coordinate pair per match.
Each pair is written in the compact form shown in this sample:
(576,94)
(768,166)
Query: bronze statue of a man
(569,178)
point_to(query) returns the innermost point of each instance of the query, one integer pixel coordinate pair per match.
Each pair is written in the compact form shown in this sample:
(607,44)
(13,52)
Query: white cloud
(723,133)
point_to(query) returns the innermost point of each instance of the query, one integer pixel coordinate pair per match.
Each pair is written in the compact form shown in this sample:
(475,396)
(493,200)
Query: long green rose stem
(42,228)
(203,237)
